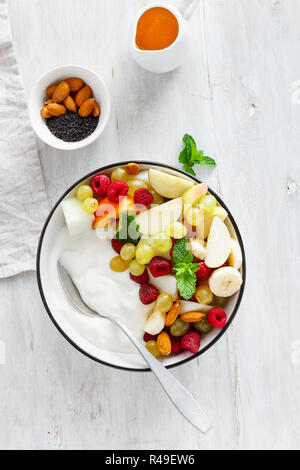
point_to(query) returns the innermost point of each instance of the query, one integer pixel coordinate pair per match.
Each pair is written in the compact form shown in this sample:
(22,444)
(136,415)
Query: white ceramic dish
(76,337)
(37,98)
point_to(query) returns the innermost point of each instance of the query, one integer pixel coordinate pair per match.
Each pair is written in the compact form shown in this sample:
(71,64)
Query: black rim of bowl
(151,164)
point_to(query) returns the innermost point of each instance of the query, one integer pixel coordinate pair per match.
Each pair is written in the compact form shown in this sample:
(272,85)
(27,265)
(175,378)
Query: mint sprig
(185,269)
(190,156)
(128,230)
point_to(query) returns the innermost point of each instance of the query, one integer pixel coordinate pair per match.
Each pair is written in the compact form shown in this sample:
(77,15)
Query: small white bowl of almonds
(69,107)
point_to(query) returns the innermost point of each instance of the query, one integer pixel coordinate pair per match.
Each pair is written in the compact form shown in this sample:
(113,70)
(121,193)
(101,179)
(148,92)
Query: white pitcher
(165,60)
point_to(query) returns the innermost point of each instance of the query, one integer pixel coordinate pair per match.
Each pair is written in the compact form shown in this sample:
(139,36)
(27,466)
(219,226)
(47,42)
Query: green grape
(164,302)
(153,349)
(203,326)
(208,204)
(90,205)
(158,199)
(179,328)
(162,243)
(220,302)
(128,252)
(118,265)
(204,295)
(176,230)
(136,268)
(84,192)
(144,253)
(119,174)
(135,184)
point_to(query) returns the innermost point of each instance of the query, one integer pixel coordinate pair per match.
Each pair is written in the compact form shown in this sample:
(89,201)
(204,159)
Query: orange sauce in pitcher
(157,29)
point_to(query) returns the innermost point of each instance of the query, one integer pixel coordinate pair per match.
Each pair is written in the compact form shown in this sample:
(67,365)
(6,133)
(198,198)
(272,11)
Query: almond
(193,317)
(84,94)
(133,169)
(96,111)
(56,109)
(86,108)
(50,90)
(45,112)
(61,92)
(75,84)
(70,104)
(164,344)
(173,314)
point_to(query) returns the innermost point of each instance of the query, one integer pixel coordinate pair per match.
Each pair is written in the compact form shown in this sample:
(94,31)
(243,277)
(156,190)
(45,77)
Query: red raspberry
(176,345)
(173,242)
(143,279)
(148,294)
(117,245)
(143,196)
(116,190)
(160,267)
(191,341)
(148,337)
(204,272)
(100,184)
(217,318)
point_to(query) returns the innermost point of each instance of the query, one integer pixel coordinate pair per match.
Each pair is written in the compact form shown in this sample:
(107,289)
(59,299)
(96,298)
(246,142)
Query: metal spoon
(178,394)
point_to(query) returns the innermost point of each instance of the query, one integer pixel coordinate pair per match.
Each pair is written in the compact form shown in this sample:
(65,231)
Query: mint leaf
(128,230)
(190,156)
(186,283)
(182,252)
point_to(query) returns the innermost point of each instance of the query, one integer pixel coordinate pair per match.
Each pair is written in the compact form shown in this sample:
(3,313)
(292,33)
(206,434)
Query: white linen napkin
(23,202)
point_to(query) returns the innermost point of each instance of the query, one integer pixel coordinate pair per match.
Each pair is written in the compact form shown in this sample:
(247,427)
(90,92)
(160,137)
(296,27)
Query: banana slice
(155,322)
(225,282)
(235,258)
(198,248)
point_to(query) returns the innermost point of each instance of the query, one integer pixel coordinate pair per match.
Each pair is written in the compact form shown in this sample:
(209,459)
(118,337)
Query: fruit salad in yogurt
(168,247)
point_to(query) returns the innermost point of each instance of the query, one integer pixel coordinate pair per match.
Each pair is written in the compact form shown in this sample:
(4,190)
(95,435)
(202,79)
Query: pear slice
(203,228)
(218,244)
(188,306)
(157,219)
(167,185)
(236,257)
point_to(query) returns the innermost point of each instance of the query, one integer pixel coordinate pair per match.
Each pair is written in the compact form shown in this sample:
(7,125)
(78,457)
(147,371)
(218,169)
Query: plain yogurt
(87,260)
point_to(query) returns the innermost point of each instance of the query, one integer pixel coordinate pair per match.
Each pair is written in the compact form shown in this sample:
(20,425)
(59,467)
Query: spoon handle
(178,394)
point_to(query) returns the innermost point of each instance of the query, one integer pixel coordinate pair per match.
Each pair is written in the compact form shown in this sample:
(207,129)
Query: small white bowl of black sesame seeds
(68,129)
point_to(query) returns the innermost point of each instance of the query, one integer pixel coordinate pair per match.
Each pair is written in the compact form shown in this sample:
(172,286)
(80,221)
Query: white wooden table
(238,95)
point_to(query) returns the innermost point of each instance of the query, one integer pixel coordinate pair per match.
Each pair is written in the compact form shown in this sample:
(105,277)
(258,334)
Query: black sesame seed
(70,127)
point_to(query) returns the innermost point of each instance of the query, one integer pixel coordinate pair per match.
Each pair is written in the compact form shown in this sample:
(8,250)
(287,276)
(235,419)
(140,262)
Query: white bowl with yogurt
(88,261)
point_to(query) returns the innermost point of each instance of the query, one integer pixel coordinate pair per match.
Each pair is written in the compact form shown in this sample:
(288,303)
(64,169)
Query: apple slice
(188,306)
(203,228)
(165,284)
(193,195)
(157,219)
(78,221)
(218,244)
(167,185)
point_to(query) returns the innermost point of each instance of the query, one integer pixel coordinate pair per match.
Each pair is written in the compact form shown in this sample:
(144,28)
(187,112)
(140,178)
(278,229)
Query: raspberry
(204,272)
(173,242)
(100,184)
(117,245)
(160,267)
(116,190)
(148,294)
(217,318)
(176,345)
(143,196)
(143,279)
(148,337)
(191,341)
